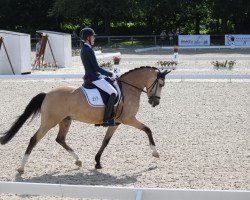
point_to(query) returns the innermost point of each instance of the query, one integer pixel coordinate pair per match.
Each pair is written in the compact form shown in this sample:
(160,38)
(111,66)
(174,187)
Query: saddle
(97,97)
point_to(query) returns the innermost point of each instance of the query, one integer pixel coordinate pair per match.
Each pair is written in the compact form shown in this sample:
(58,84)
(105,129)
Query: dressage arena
(201,130)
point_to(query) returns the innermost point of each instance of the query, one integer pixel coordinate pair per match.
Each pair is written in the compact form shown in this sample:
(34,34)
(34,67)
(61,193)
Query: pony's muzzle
(154,101)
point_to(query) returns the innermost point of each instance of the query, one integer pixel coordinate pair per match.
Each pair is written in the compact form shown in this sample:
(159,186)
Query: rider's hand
(111,74)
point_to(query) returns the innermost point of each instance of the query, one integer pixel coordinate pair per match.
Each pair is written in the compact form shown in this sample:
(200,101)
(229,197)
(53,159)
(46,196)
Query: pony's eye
(161,85)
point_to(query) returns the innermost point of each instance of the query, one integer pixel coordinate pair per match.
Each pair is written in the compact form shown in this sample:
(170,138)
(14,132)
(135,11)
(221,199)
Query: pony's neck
(138,77)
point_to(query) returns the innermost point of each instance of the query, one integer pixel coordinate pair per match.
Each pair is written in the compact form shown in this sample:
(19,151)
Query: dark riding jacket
(92,69)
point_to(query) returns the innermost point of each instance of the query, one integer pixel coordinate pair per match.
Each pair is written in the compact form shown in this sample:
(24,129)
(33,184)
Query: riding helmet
(86,32)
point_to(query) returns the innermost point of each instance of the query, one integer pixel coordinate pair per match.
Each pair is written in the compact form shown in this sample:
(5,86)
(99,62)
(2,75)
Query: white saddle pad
(94,97)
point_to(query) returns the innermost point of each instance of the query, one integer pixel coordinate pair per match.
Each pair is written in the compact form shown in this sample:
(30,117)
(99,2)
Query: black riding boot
(107,121)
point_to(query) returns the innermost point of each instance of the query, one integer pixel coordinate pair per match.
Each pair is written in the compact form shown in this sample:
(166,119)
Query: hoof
(78,163)
(20,170)
(98,166)
(156,154)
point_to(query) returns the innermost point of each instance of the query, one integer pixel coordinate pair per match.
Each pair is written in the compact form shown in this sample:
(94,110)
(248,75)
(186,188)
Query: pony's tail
(33,108)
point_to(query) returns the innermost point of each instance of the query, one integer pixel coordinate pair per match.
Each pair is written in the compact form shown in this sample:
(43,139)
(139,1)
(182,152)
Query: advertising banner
(237,40)
(194,40)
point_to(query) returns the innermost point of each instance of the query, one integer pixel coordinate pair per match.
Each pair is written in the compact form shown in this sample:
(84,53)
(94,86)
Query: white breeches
(105,86)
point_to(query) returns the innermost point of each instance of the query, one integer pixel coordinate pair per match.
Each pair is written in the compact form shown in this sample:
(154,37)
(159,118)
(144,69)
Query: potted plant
(231,63)
(116,60)
(223,64)
(107,65)
(167,64)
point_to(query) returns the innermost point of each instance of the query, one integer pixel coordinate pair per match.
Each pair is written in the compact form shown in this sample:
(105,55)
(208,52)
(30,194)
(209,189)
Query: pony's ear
(165,72)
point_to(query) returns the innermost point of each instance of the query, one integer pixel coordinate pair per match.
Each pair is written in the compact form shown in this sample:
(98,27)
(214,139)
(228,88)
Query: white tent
(60,44)
(15,53)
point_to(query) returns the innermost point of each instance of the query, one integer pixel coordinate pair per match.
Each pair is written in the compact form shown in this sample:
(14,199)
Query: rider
(96,74)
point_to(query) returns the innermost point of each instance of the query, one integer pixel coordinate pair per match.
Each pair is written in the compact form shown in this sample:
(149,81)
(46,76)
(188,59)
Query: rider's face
(92,39)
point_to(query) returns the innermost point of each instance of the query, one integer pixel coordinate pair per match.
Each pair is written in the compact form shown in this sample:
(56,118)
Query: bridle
(150,88)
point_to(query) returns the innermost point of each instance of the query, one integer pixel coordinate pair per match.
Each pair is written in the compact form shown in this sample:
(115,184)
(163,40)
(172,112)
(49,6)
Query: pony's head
(147,77)
(155,87)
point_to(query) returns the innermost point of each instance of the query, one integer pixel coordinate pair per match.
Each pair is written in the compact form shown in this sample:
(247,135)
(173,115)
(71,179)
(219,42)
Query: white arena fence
(189,47)
(170,77)
(121,193)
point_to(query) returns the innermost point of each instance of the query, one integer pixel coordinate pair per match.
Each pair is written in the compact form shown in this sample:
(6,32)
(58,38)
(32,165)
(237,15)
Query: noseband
(156,82)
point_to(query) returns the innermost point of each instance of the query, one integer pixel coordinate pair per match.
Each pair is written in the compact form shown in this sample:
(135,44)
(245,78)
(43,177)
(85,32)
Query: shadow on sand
(93,177)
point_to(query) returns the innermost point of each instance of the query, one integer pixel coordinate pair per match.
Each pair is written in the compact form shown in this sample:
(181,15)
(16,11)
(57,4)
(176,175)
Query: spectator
(163,36)
(74,39)
(232,40)
(171,38)
(177,31)
(38,56)
(37,37)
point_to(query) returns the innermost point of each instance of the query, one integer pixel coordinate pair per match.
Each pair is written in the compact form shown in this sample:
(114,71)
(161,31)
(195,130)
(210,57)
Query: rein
(151,86)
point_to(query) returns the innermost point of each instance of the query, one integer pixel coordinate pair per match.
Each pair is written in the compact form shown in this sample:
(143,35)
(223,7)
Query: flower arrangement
(51,66)
(116,60)
(97,48)
(166,63)
(76,52)
(45,66)
(217,64)
(231,63)
(106,64)
(176,49)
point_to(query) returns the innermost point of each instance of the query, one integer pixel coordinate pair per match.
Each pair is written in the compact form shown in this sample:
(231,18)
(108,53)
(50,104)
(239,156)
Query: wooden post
(44,41)
(1,42)
(42,48)
(52,53)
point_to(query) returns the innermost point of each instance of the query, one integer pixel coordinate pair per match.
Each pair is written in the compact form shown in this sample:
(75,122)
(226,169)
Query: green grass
(125,43)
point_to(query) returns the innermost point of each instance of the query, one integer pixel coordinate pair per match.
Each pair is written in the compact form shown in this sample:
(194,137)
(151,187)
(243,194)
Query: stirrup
(109,122)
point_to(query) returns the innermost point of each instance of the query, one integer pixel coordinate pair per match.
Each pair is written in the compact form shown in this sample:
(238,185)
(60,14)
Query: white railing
(190,47)
(122,193)
(177,77)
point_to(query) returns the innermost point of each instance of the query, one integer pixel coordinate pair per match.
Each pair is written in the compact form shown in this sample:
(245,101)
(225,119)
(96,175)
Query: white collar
(85,43)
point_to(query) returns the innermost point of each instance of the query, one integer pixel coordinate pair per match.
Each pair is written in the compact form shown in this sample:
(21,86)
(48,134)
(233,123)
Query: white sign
(194,40)
(116,70)
(237,40)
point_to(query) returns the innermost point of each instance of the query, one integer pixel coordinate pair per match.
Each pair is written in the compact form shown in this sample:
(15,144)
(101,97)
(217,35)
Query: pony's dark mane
(138,68)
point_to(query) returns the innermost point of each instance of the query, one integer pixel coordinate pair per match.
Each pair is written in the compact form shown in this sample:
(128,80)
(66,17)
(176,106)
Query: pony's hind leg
(63,130)
(33,141)
(137,124)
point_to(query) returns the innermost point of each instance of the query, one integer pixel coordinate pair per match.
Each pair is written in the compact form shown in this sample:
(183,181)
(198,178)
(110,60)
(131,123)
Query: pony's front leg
(109,134)
(137,124)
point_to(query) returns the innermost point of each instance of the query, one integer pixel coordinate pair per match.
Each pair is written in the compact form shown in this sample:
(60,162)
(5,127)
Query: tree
(25,14)
(194,15)
(100,13)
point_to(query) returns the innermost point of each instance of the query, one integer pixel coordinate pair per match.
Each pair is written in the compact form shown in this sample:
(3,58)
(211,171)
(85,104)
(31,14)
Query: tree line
(127,17)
